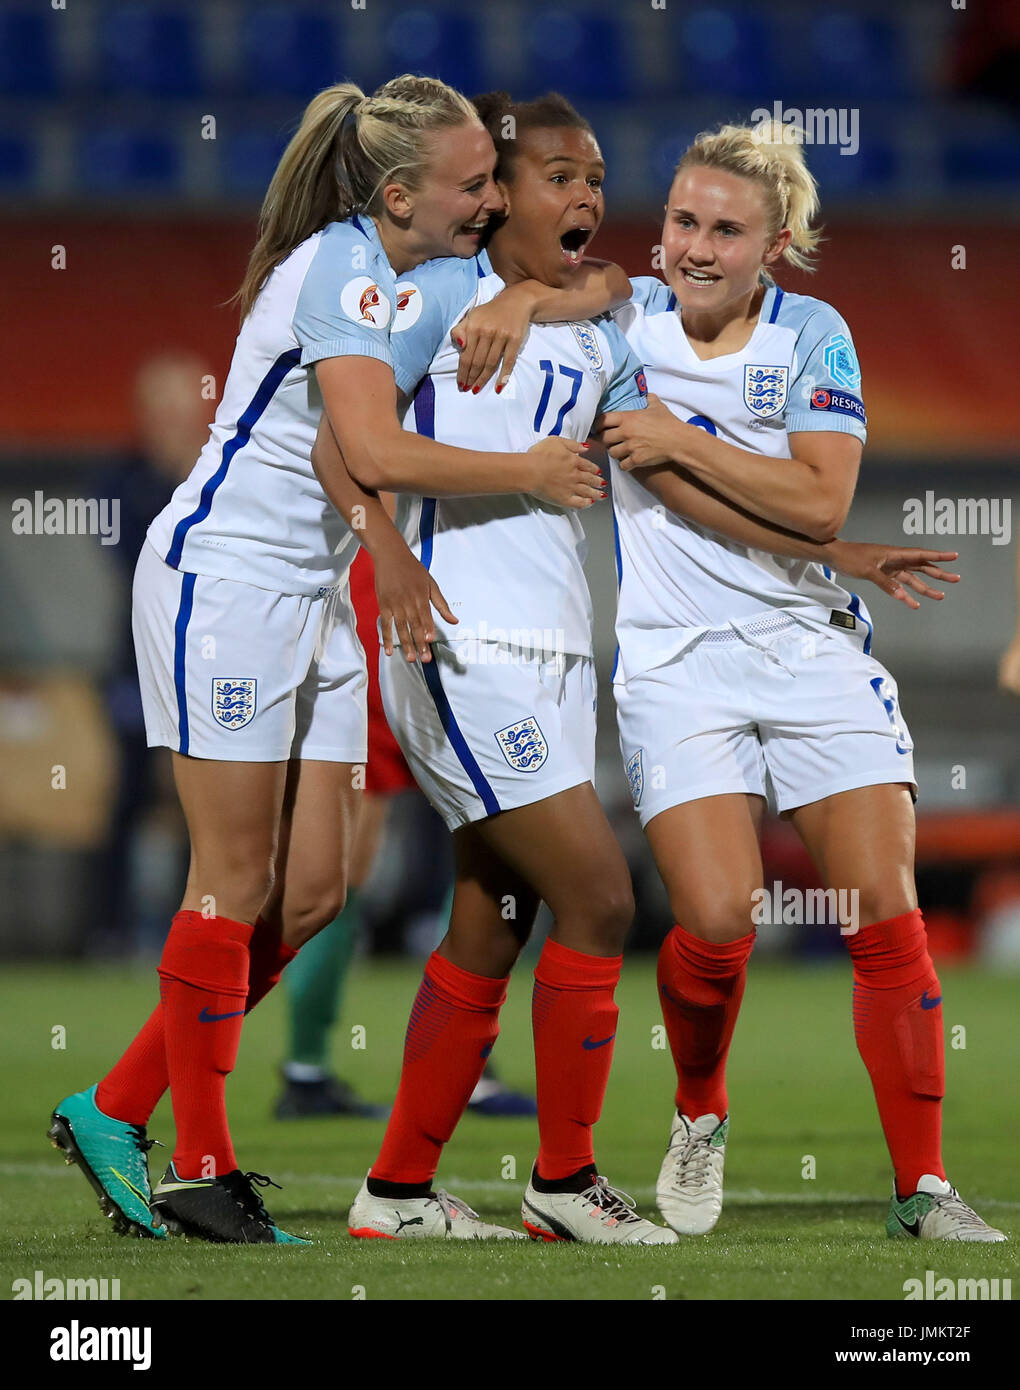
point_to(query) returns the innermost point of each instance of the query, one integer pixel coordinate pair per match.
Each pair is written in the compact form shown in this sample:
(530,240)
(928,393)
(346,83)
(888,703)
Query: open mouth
(474,228)
(700,278)
(573,243)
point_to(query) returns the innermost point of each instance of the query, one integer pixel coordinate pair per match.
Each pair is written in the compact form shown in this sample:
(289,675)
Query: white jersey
(511,567)
(252,509)
(797,372)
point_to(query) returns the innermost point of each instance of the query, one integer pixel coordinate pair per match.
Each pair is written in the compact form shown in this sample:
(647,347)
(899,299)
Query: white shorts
(486,728)
(243,674)
(792,711)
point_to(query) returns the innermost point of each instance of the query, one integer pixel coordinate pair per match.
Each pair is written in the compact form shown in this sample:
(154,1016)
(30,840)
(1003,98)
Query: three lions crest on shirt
(765,389)
(233,700)
(523,744)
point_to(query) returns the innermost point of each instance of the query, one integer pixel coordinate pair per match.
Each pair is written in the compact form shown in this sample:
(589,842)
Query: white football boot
(936,1211)
(690,1185)
(438,1216)
(600,1215)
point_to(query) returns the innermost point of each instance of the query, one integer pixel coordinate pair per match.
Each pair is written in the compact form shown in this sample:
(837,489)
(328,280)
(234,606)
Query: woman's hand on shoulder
(491,334)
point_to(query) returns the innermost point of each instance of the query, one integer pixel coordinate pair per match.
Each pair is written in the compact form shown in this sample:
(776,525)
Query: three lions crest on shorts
(523,744)
(765,389)
(636,776)
(233,700)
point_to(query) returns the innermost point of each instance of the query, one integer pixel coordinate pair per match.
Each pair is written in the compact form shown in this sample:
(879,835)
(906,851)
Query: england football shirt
(797,372)
(510,566)
(252,509)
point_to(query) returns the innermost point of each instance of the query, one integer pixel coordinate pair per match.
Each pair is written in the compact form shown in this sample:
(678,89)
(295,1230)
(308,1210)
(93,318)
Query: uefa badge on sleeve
(765,389)
(523,745)
(233,700)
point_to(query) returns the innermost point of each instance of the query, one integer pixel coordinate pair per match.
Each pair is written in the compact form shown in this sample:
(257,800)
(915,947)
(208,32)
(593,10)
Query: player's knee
(724,918)
(884,901)
(232,887)
(607,911)
(305,916)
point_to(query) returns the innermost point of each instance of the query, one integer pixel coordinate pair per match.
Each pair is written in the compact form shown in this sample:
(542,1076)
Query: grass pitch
(798,1092)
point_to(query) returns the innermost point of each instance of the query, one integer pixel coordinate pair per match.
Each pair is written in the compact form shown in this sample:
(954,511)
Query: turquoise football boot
(112,1155)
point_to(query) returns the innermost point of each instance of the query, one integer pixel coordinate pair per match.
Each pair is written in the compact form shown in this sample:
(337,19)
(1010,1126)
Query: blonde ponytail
(772,154)
(346,149)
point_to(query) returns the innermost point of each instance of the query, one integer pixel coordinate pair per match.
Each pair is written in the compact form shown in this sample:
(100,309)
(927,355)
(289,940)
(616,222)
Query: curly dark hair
(544,113)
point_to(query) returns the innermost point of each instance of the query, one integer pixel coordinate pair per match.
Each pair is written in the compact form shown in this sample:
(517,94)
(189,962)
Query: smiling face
(455,198)
(716,239)
(553,192)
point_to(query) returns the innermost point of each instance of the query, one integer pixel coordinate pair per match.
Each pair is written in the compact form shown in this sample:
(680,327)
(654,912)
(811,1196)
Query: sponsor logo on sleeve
(765,389)
(641,383)
(841,362)
(840,403)
(362,300)
(409,306)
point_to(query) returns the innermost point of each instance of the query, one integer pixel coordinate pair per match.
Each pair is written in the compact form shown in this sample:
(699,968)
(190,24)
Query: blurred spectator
(171,427)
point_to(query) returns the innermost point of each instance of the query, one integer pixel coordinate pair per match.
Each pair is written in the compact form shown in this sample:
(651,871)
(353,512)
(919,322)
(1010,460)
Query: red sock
(574,1020)
(898,1026)
(701,984)
(132,1089)
(269,955)
(203,985)
(453,1026)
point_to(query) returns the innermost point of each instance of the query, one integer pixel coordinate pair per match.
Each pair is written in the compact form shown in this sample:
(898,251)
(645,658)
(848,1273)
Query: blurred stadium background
(105,151)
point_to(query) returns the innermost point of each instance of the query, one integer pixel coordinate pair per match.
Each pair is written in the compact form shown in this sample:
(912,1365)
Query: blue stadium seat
(148,49)
(114,160)
(728,52)
(838,55)
(565,47)
(27,62)
(872,169)
(288,50)
(17,163)
(249,161)
(987,152)
(442,43)
(662,150)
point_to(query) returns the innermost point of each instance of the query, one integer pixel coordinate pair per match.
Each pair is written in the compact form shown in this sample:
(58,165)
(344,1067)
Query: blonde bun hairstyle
(772,154)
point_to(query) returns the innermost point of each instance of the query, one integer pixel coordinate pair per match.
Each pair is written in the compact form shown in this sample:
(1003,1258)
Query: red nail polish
(476,390)
(498,389)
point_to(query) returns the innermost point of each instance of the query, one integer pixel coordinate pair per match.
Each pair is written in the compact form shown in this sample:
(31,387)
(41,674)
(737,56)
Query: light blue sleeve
(626,389)
(430,300)
(826,390)
(650,293)
(346,302)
